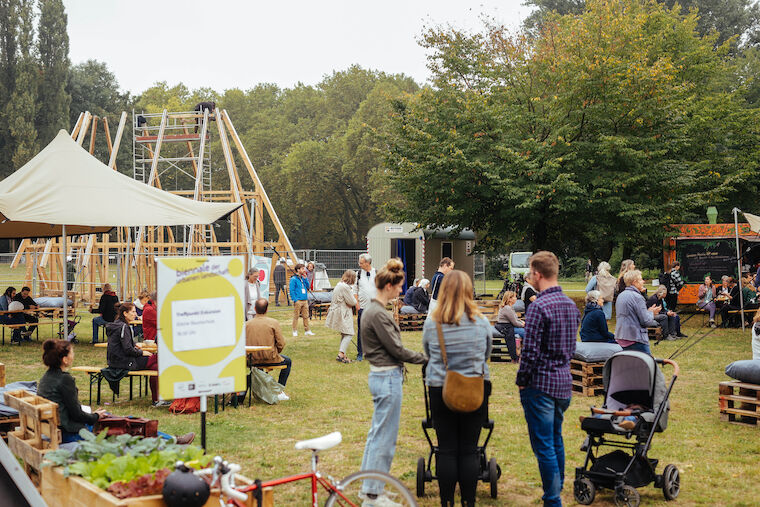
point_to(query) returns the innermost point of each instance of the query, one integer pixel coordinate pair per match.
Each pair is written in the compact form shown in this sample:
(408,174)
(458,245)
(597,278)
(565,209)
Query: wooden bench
(407,321)
(739,403)
(96,377)
(38,430)
(489,309)
(319,310)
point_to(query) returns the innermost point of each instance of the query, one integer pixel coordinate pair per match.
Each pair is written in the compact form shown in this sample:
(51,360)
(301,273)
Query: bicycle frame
(315,476)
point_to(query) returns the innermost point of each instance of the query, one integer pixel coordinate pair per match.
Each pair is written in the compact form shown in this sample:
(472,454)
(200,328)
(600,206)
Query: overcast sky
(236,44)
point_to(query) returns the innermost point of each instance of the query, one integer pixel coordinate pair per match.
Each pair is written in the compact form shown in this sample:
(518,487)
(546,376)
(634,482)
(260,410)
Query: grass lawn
(718,461)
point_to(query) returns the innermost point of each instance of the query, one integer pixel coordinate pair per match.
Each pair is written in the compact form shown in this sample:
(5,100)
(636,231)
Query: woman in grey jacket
(467,338)
(633,316)
(381,340)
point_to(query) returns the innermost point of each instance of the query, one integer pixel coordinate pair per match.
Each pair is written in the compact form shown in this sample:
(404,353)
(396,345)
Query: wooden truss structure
(171,151)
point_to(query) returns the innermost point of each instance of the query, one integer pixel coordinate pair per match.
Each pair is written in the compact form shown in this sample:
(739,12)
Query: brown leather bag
(460,393)
(135,426)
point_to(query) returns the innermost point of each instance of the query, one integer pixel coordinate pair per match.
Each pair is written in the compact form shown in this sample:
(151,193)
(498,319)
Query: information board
(702,257)
(201,340)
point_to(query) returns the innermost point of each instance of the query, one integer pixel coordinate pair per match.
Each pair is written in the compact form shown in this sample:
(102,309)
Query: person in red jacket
(149,318)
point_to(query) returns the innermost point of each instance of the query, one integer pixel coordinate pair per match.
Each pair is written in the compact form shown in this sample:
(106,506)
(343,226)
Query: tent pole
(65,284)
(739,262)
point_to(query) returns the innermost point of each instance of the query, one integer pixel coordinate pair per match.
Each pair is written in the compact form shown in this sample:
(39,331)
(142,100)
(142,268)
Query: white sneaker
(295,333)
(380,501)
(308,333)
(283,397)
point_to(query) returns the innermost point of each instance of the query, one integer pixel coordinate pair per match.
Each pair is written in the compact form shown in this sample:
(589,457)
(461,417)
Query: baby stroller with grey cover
(635,390)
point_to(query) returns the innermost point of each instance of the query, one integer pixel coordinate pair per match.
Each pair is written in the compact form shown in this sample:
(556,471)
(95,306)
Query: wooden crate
(2,375)
(587,390)
(739,403)
(59,491)
(489,309)
(411,321)
(37,431)
(7,424)
(587,377)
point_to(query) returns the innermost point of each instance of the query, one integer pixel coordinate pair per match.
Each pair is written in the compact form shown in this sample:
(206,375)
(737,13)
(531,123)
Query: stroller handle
(672,363)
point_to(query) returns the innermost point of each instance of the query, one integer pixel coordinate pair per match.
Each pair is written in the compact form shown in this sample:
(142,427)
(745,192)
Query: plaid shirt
(551,328)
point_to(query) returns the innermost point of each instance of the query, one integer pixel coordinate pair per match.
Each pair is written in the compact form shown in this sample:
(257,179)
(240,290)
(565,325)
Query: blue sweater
(594,325)
(299,288)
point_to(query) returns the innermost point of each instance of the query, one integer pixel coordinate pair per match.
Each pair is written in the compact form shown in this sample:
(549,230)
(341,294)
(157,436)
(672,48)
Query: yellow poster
(201,339)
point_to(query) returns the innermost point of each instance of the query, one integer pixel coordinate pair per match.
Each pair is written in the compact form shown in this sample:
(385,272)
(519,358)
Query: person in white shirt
(252,292)
(364,292)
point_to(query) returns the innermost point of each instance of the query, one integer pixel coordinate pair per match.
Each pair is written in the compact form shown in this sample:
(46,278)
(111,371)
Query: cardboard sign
(201,336)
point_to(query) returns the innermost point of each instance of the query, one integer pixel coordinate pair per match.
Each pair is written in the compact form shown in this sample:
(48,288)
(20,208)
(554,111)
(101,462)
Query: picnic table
(41,313)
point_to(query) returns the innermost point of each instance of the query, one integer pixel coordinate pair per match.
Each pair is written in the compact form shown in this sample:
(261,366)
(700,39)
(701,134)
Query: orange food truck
(706,249)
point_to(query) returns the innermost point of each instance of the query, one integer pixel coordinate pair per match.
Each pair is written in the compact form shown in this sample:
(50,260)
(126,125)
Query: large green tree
(600,131)
(21,109)
(737,19)
(53,49)
(9,26)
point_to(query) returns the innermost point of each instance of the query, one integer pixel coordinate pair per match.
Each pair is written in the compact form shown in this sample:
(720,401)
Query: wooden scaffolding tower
(171,151)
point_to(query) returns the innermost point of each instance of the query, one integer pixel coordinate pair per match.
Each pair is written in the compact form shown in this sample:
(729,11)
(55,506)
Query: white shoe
(380,501)
(283,397)
(309,333)
(295,333)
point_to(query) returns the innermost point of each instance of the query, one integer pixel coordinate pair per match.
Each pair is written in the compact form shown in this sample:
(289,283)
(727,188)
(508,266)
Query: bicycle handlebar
(225,473)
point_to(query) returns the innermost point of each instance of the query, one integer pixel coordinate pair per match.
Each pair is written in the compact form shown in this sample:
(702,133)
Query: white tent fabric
(754,222)
(65,185)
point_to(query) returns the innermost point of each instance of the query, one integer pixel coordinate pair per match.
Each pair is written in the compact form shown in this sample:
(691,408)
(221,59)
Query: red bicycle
(366,488)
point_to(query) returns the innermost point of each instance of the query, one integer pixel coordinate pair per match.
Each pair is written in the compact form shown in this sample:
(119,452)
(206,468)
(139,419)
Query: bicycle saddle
(321,443)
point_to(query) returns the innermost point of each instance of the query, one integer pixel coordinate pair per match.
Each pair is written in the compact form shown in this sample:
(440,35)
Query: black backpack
(664,278)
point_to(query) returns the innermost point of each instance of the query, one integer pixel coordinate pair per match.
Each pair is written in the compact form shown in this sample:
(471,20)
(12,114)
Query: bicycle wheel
(349,491)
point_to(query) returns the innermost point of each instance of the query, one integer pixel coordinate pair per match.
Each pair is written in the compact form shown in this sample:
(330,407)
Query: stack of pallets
(739,403)
(587,377)
(499,352)
(37,432)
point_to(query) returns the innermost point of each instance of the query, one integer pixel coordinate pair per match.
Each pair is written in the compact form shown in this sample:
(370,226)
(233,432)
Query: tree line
(587,132)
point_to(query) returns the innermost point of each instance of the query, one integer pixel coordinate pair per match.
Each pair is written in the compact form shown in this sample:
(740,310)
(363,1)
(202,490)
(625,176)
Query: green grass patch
(717,460)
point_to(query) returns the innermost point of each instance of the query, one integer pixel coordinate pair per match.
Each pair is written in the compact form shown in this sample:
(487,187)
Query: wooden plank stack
(489,309)
(587,377)
(499,351)
(407,321)
(37,432)
(739,403)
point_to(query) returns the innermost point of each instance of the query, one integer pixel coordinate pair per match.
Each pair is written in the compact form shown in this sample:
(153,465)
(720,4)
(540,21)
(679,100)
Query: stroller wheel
(420,477)
(627,496)
(671,482)
(584,491)
(494,472)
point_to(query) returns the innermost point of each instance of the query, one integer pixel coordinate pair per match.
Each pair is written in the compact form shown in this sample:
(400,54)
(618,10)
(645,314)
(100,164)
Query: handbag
(460,392)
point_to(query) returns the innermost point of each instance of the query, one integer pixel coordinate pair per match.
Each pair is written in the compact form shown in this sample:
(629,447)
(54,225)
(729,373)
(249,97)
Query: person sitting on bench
(59,386)
(25,299)
(11,318)
(265,330)
(106,309)
(421,300)
(122,353)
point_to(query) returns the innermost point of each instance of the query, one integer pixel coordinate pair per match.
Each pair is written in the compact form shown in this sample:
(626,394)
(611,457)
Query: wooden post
(2,375)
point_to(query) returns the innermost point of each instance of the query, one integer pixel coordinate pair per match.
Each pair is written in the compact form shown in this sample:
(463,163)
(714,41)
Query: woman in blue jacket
(594,323)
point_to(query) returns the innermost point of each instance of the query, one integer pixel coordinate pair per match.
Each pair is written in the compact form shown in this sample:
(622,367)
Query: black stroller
(634,388)
(489,469)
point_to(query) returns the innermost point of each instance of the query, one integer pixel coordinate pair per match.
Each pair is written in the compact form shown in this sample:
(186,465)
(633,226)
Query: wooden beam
(117,140)
(94,134)
(259,186)
(83,130)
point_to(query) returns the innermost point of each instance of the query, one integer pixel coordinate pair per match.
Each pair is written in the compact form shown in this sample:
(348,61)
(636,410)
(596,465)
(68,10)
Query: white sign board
(201,336)
(264,264)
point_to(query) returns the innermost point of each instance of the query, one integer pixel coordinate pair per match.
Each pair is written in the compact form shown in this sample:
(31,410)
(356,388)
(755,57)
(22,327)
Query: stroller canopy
(634,378)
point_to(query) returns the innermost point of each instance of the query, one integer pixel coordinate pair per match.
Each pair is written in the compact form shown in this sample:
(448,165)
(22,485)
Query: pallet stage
(587,377)
(739,403)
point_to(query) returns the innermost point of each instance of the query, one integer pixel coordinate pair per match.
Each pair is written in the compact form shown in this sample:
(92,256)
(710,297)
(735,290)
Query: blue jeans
(96,323)
(639,347)
(544,416)
(520,331)
(359,350)
(386,390)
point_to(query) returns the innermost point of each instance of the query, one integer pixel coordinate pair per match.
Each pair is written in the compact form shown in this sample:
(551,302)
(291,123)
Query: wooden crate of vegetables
(117,471)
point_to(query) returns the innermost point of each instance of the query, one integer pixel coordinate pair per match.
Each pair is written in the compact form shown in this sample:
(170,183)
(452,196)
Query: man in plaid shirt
(551,327)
